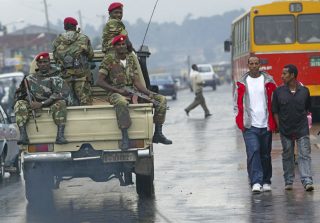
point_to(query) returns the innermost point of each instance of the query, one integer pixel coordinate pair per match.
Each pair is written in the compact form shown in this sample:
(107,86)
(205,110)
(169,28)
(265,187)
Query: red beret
(42,55)
(114,5)
(70,20)
(118,38)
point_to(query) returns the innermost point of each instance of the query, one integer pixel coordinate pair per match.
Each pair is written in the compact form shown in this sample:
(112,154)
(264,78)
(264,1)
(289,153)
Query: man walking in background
(291,103)
(197,86)
(254,118)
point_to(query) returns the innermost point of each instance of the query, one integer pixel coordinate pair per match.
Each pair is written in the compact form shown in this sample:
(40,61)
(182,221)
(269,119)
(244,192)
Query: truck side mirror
(227,45)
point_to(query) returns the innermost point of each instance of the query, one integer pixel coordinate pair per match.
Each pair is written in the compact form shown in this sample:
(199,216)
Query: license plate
(119,157)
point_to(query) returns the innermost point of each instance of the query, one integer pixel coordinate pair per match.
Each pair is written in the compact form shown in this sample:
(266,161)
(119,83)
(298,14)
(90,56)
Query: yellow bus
(279,33)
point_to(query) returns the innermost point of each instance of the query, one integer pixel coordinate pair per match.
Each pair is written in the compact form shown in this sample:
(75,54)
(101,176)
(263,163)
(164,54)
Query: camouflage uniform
(43,88)
(113,27)
(119,76)
(72,51)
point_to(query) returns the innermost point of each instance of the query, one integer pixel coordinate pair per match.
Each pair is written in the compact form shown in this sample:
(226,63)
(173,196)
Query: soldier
(197,87)
(118,70)
(45,87)
(114,27)
(72,50)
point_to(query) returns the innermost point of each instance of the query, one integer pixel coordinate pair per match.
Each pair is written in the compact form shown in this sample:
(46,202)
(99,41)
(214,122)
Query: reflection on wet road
(200,178)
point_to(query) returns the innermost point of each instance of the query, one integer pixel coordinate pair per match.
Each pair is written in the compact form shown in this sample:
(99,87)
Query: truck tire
(144,184)
(39,183)
(2,171)
(214,86)
(17,165)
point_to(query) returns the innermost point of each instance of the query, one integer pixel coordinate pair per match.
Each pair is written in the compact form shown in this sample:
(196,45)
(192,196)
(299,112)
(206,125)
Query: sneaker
(256,188)
(266,187)
(288,187)
(309,187)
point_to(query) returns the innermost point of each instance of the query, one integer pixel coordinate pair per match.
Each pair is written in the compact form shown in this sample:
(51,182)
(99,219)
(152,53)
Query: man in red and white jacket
(252,106)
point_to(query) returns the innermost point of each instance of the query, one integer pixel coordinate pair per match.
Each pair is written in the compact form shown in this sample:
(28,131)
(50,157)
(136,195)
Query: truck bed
(96,125)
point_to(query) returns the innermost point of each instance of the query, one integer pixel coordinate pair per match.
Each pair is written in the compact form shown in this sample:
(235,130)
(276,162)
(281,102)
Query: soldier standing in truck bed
(118,70)
(114,27)
(72,51)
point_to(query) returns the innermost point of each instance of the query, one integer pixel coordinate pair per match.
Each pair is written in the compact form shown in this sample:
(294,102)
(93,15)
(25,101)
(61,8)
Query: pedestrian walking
(291,104)
(197,86)
(252,107)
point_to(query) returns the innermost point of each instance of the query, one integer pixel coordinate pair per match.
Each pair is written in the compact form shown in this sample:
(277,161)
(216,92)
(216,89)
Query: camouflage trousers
(199,100)
(23,112)
(80,90)
(122,111)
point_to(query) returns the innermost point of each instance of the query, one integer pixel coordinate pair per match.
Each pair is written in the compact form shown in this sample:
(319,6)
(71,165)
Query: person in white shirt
(254,118)
(197,88)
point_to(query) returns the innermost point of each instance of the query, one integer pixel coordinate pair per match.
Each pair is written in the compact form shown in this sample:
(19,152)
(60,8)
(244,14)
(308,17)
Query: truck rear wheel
(39,183)
(144,184)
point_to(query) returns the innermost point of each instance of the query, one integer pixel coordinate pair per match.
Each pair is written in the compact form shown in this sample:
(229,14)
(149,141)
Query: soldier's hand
(35,105)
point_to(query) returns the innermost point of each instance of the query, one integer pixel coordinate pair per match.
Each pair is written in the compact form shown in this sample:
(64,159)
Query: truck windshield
(278,29)
(309,28)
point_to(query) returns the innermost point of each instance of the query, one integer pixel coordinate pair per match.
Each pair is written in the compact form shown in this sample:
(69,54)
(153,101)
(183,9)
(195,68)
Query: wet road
(200,178)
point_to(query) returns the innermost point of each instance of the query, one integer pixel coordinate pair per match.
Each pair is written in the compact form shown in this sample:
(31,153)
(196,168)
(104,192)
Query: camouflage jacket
(42,87)
(116,73)
(74,45)
(113,27)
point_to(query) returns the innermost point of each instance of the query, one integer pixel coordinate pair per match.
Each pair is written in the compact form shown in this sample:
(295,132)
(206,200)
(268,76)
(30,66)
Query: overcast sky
(32,11)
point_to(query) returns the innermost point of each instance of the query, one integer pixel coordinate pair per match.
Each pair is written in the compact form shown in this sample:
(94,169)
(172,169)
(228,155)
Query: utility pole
(47,16)
(80,19)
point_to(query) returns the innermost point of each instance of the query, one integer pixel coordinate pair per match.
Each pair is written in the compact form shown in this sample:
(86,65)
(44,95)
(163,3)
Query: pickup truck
(93,150)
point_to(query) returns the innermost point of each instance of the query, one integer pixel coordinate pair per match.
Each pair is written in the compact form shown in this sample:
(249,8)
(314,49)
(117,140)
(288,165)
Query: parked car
(209,77)
(165,83)
(6,82)
(9,150)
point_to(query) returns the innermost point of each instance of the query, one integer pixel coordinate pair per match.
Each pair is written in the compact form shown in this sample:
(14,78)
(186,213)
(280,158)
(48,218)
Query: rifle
(30,101)
(141,95)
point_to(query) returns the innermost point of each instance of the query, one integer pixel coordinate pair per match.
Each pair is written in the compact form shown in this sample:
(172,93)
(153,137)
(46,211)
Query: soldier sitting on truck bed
(119,70)
(40,90)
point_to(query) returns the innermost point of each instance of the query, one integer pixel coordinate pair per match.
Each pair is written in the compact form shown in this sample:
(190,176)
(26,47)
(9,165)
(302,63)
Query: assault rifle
(30,101)
(141,95)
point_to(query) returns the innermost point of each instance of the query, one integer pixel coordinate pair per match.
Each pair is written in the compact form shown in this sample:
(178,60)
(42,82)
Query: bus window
(309,28)
(274,29)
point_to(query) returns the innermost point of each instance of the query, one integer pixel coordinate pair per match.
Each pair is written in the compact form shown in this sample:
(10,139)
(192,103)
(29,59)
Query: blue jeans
(304,159)
(258,146)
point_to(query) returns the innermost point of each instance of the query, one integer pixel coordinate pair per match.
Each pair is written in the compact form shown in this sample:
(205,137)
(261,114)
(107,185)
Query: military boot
(60,135)
(24,139)
(158,137)
(125,139)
